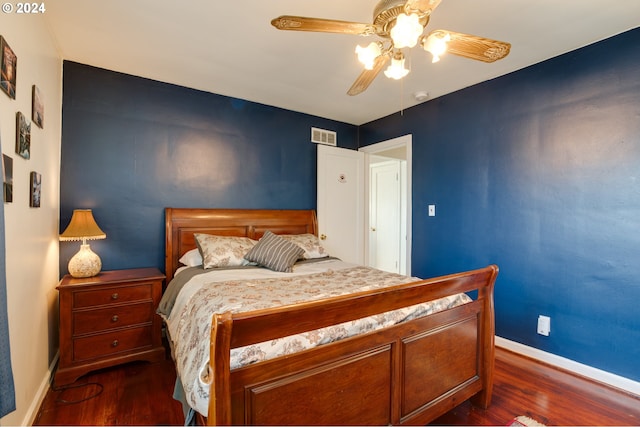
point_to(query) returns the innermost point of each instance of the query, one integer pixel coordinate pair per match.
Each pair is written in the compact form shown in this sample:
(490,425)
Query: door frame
(405,141)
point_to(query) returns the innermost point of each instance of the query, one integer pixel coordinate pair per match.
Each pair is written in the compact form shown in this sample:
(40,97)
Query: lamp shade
(367,55)
(406,30)
(396,70)
(82,227)
(85,263)
(436,44)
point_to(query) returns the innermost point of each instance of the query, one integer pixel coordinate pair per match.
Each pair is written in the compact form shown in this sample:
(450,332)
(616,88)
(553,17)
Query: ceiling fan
(400,24)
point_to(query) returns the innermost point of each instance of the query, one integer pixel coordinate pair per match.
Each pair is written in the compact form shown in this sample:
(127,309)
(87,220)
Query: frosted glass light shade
(406,31)
(436,44)
(367,55)
(396,70)
(85,263)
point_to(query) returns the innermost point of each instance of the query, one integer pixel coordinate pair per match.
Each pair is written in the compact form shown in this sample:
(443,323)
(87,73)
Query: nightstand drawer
(98,320)
(122,294)
(108,344)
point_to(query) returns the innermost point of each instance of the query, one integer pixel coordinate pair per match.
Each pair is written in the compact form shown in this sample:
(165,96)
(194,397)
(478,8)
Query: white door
(401,149)
(341,202)
(385,216)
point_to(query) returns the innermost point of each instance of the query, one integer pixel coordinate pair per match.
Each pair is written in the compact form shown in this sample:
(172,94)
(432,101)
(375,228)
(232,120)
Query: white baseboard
(32,412)
(608,378)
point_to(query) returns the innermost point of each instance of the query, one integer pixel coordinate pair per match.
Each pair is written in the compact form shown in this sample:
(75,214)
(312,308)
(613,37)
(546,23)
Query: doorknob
(373,229)
(323,237)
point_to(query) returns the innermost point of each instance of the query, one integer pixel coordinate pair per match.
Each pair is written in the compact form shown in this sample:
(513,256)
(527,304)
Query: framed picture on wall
(8,69)
(7,178)
(23,136)
(35,190)
(37,107)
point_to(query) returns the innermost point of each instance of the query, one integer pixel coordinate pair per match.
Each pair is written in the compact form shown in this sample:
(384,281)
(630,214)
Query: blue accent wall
(133,146)
(539,172)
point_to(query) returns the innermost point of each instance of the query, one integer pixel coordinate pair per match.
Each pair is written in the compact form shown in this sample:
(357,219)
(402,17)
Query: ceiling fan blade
(300,23)
(474,47)
(421,7)
(367,76)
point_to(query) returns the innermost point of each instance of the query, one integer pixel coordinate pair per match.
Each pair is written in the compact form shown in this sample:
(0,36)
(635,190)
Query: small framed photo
(37,107)
(35,189)
(23,136)
(8,68)
(7,178)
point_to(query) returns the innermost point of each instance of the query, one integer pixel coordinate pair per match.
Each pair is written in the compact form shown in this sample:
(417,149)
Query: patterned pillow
(275,253)
(223,251)
(309,242)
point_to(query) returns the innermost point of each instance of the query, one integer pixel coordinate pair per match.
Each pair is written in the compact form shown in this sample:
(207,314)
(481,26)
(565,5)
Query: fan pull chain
(402,90)
(402,98)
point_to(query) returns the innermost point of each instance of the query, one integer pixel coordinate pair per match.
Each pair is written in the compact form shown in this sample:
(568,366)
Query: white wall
(32,233)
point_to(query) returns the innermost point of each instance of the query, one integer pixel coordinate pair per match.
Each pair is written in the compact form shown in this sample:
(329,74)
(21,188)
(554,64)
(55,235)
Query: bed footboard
(409,373)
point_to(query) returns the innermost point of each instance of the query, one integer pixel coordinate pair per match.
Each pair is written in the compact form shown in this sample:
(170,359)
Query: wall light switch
(432,210)
(544,325)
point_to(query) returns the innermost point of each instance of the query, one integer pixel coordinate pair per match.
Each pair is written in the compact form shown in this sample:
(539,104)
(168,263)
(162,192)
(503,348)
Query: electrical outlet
(544,325)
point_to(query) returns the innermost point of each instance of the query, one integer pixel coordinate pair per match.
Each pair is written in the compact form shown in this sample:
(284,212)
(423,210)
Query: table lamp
(85,263)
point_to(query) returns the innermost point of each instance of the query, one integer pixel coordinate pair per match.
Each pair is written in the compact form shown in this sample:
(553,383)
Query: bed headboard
(181,223)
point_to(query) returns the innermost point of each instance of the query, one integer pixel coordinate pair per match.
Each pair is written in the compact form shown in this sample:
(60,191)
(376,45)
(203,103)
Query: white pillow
(223,251)
(191,258)
(309,242)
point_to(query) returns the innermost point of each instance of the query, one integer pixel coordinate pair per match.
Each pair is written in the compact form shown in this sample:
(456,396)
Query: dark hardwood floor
(140,394)
(137,393)
(551,396)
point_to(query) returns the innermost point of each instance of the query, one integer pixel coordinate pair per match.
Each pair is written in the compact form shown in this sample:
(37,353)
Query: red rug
(524,422)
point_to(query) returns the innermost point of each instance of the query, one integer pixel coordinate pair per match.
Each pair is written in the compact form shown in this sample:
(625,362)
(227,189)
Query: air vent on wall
(323,136)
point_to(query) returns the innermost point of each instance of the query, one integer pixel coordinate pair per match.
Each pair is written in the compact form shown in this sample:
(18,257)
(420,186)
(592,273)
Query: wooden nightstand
(107,320)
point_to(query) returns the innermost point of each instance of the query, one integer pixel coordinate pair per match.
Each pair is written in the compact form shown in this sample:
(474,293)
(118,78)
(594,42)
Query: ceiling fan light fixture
(367,55)
(406,30)
(396,70)
(400,24)
(436,44)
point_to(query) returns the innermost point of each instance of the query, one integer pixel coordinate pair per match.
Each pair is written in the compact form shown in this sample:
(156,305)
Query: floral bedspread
(216,292)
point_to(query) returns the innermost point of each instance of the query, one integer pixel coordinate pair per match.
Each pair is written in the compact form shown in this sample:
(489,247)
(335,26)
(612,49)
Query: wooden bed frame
(409,373)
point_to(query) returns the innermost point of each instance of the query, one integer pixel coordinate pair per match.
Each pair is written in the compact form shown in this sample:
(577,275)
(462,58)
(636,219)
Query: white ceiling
(230,48)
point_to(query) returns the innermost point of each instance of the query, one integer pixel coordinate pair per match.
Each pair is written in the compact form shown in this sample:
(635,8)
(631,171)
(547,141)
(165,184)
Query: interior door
(384,215)
(399,148)
(341,202)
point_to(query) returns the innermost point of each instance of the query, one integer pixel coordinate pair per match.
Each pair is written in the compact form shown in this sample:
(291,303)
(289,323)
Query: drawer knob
(114,295)
(114,343)
(115,318)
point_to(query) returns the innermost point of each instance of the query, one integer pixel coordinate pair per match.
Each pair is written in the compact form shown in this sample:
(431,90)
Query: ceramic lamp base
(85,263)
